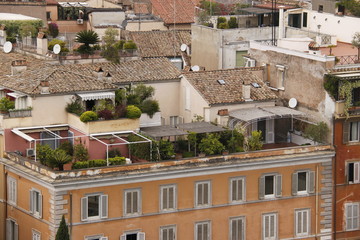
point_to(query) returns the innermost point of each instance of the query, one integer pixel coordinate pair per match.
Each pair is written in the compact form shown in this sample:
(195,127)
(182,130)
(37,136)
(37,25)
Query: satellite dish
(292,102)
(7,47)
(195,68)
(183,47)
(56,49)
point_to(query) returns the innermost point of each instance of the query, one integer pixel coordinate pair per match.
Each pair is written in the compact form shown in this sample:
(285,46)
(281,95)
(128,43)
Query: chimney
(98,73)
(18,66)
(108,77)
(246,90)
(281,22)
(44,87)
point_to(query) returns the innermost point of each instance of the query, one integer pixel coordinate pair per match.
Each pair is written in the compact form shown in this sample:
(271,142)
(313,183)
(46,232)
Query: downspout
(70,217)
(335,182)
(317,201)
(5,200)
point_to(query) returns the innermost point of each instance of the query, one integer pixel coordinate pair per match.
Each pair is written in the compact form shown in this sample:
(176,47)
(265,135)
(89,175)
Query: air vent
(30,152)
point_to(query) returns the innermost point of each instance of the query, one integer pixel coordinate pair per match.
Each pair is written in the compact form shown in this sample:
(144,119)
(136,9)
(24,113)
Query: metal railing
(346,59)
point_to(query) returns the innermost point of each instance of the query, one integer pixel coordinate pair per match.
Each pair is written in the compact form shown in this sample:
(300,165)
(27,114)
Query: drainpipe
(281,22)
(317,201)
(335,182)
(70,217)
(5,200)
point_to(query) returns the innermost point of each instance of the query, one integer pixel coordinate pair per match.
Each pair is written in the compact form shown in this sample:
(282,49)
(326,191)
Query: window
(202,231)
(353,172)
(280,71)
(174,120)
(133,236)
(12,190)
(352,216)
(321,8)
(269,226)
(302,222)
(96,237)
(237,189)
(132,201)
(50,138)
(168,233)
(356,96)
(202,194)
(303,182)
(94,206)
(305,15)
(270,186)
(36,203)
(12,230)
(48,16)
(354,131)
(237,228)
(36,235)
(168,197)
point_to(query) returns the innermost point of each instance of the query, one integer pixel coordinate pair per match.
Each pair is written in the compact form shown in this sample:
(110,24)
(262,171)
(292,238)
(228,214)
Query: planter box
(146,121)
(122,124)
(20,113)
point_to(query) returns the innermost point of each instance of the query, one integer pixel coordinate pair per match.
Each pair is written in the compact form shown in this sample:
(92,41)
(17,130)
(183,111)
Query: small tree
(80,152)
(317,133)
(166,149)
(192,141)
(6,104)
(63,231)
(109,50)
(86,37)
(58,158)
(211,145)
(356,43)
(53,30)
(254,142)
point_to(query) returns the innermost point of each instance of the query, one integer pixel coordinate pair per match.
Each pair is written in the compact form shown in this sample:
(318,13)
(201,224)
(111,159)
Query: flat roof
(13,16)
(200,127)
(255,10)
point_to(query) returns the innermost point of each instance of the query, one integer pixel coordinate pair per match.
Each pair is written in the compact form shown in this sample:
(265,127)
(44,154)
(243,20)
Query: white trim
(139,202)
(203,203)
(96,96)
(12,190)
(267,217)
(243,186)
(243,228)
(168,227)
(202,224)
(354,218)
(16,95)
(36,234)
(162,188)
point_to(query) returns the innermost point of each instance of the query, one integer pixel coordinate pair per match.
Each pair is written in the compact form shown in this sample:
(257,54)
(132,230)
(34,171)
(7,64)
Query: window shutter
(206,193)
(141,235)
(278,189)
(311,182)
(165,198)
(84,208)
(8,229)
(356,172)
(31,201)
(16,231)
(355,216)
(346,128)
(123,237)
(128,203)
(261,187)
(294,184)
(104,238)
(104,206)
(40,205)
(171,198)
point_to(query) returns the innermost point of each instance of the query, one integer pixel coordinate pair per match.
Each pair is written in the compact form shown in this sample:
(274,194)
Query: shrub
(11,39)
(166,150)
(119,45)
(6,104)
(142,150)
(67,147)
(150,107)
(223,25)
(88,116)
(114,152)
(75,107)
(86,37)
(221,20)
(133,112)
(43,153)
(188,154)
(53,30)
(317,133)
(117,161)
(106,114)
(120,111)
(80,152)
(58,158)
(97,163)
(233,23)
(211,145)
(129,45)
(80,165)
(55,41)
(254,142)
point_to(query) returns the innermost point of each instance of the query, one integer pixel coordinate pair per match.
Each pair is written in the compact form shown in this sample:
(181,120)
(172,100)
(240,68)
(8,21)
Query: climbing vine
(345,92)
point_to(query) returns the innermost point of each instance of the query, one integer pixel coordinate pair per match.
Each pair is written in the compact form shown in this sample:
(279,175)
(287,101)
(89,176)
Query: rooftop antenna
(7,47)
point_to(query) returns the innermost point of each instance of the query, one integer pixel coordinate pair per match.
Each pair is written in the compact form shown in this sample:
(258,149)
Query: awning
(200,127)
(73,4)
(163,131)
(251,114)
(254,10)
(96,96)
(16,95)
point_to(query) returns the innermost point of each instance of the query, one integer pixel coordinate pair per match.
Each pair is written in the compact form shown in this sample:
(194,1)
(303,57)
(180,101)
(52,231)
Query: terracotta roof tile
(184,11)
(206,83)
(160,43)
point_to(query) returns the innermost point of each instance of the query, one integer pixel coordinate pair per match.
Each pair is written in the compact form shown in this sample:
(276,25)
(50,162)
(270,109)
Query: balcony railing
(18,113)
(346,59)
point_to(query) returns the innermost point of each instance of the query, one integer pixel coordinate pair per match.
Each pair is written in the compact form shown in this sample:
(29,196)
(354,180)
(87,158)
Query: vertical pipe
(70,216)
(281,22)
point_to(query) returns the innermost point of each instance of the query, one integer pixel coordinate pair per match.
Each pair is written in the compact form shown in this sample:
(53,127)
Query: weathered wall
(145,25)
(328,5)
(37,10)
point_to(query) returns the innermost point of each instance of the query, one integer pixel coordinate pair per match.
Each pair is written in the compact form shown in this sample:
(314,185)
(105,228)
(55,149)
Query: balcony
(19,113)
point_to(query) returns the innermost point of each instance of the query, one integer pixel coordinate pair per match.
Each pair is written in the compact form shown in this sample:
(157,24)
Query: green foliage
(140,150)
(80,152)
(233,23)
(166,149)
(221,20)
(110,36)
(203,18)
(192,141)
(346,91)
(150,107)
(6,104)
(11,39)
(120,96)
(88,116)
(113,152)
(198,118)
(75,107)
(133,112)
(352,5)
(143,92)
(129,45)
(13,26)
(233,140)
(97,163)
(86,37)
(55,41)
(80,165)
(331,85)
(119,45)
(117,161)
(188,154)
(43,153)
(63,231)
(28,30)
(103,104)
(254,142)
(211,145)
(67,147)
(223,26)
(317,133)
(356,39)
(53,30)
(58,158)
(109,50)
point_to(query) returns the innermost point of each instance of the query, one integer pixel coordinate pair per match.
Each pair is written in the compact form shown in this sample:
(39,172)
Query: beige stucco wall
(2,199)
(53,12)
(97,18)
(31,9)
(70,26)
(145,25)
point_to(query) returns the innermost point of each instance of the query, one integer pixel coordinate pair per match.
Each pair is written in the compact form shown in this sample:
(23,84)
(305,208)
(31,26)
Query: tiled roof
(206,83)
(184,11)
(160,43)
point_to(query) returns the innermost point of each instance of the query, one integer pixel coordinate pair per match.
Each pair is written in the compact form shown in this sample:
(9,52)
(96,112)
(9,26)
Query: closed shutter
(141,235)
(355,216)
(165,198)
(40,205)
(171,198)
(8,229)
(84,208)
(311,182)
(294,184)
(356,172)
(16,231)
(278,185)
(135,202)
(346,128)
(206,194)
(128,202)
(104,206)
(31,207)
(261,187)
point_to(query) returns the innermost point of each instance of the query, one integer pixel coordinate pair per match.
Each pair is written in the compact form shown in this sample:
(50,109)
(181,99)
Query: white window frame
(138,210)
(236,180)
(139,235)
(310,182)
(277,186)
(93,237)
(36,202)
(300,229)
(357,131)
(12,229)
(36,235)
(166,188)
(202,224)
(103,207)
(166,228)
(267,217)
(12,190)
(174,120)
(239,235)
(354,216)
(202,204)
(356,172)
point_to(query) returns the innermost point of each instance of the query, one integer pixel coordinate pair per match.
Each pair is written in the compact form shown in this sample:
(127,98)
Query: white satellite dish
(195,68)
(7,47)
(56,49)
(183,47)
(292,102)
